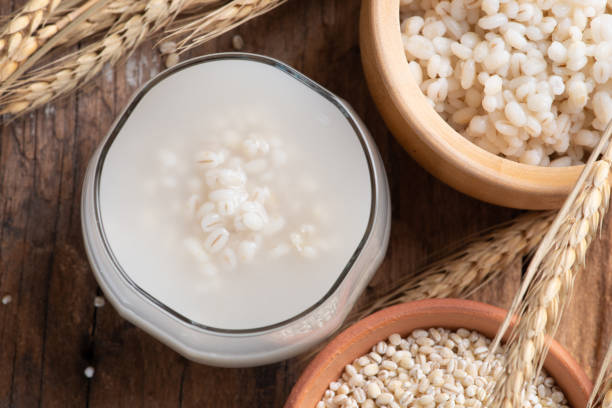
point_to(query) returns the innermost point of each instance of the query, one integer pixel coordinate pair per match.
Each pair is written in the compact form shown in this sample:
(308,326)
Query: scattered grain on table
(99,301)
(237,42)
(172,60)
(89,372)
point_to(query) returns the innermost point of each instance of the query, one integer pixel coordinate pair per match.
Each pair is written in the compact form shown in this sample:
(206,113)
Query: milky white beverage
(236,202)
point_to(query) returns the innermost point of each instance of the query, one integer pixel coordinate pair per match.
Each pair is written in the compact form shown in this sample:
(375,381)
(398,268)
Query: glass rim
(118,125)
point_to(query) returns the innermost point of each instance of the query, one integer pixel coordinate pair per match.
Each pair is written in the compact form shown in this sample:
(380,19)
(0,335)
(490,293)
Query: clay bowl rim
(432,141)
(318,374)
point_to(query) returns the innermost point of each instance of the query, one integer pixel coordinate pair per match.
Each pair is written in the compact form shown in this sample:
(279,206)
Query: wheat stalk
(607,398)
(548,284)
(602,391)
(72,71)
(197,30)
(603,397)
(602,394)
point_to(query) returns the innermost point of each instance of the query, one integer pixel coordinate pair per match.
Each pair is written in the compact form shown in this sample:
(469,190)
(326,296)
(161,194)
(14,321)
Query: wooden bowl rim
(559,358)
(459,152)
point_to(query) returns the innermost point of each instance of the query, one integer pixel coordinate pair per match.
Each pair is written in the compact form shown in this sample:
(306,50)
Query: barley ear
(74,70)
(140,22)
(15,37)
(547,286)
(37,43)
(602,392)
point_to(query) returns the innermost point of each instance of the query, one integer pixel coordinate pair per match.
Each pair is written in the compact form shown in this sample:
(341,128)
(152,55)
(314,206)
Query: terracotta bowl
(403,319)
(431,141)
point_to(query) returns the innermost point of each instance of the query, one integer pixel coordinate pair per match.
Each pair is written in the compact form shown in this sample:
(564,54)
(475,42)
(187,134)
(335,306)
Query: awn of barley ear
(602,391)
(548,283)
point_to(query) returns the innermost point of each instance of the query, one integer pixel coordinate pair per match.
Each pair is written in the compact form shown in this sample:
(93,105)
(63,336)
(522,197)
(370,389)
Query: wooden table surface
(50,331)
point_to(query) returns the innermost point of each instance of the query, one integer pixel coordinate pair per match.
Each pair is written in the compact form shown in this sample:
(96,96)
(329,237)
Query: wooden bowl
(358,339)
(435,144)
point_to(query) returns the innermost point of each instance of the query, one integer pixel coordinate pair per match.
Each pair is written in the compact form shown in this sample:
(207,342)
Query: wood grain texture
(51,331)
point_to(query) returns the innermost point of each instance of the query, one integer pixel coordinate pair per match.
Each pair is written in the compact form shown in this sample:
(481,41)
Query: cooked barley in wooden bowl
(427,353)
(502,100)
